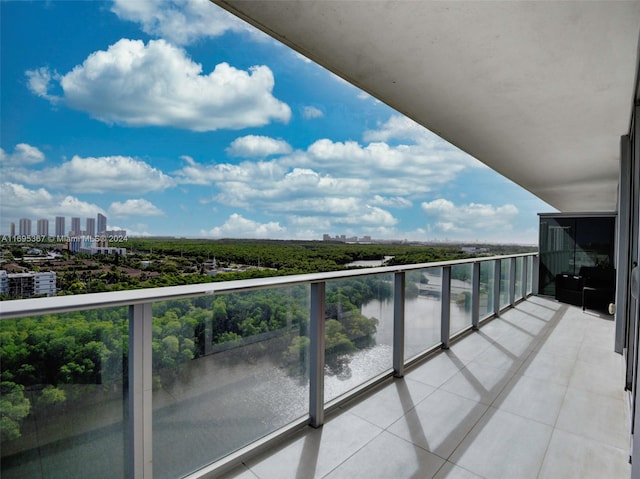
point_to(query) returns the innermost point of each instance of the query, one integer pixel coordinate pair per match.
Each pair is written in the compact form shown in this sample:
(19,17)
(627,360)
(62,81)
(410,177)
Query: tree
(13,408)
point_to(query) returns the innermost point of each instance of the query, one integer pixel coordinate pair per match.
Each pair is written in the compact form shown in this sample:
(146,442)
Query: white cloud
(39,82)
(99,175)
(401,128)
(158,85)
(134,207)
(258,146)
(23,154)
(238,226)
(346,182)
(18,201)
(472,218)
(369,216)
(309,112)
(391,202)
(179,21)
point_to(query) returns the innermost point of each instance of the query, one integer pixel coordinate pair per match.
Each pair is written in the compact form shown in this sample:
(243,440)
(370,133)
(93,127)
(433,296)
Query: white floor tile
(390,403)
(388,456)
(478,382)
(319,451)
(575,457)
(532,398)
(503,445)
(594,416)
(440,422)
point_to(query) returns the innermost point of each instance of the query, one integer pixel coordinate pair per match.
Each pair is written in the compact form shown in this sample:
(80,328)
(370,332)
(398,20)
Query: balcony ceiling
(539,91)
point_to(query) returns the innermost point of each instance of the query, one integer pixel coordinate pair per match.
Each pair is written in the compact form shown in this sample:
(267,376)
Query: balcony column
(496,287)
(398,323)
(512,281)
(316,354)
(535,275)
(445,307)
(139,450)
(475,296)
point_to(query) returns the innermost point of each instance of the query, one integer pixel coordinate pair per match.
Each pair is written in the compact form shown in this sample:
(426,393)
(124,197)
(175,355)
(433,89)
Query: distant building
(60,231)
(43,227)
(4,282)
(25,285)
(12,229)
(25,227)
(91,227)
(89,245)
(102,224)
(75,227)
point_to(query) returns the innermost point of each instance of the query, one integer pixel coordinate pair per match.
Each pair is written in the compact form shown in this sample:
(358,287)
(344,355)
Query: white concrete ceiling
(539,91)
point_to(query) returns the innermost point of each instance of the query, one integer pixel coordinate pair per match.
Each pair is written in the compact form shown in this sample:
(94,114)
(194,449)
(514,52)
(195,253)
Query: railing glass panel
(358,332)
(227,370)
(230,364)
(422,310)
(505,273)
(529,260)
(486,288)
(518,278)
(461,291)
(63,395)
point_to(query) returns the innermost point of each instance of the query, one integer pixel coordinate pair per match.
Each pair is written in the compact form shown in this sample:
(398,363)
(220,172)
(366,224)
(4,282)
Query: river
(222,402)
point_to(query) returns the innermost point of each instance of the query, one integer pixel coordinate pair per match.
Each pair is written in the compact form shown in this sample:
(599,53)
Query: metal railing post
(475,296)
(445,307)
(496,288)
(524,276)
(398,323)
(512,281)
(139,440)
(316,354)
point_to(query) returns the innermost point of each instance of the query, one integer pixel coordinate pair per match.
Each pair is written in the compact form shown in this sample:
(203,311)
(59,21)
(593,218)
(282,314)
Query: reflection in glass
(358,331)
(518,278)
(486,288)
(461,291)
(422,310)
(63,391)
(505,277)
(227,370)
(569,243)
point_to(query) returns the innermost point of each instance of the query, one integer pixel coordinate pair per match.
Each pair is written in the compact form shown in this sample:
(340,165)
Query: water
(370,263)
(222,402)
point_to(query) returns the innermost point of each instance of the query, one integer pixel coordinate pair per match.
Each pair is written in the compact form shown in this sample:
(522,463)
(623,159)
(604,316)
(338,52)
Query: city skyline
(25,226)
(290,152)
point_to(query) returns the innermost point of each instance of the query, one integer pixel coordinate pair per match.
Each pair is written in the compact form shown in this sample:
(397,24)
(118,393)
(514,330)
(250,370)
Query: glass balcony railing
(182,381)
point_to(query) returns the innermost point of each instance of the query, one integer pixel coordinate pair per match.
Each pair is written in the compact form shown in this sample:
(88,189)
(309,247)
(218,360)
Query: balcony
(530,384)
(535,393)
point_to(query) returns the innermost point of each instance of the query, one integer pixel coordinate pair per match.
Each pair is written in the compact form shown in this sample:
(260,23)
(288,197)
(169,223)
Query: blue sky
(174,118)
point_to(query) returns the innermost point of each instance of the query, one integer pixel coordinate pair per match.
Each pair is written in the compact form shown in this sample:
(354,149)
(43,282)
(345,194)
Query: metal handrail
(62,304)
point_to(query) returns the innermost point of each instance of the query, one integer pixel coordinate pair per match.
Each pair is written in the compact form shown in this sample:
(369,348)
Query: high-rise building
(25,227)
(91,227)
(25,285)
(75,226)
(43,227)
(60,226)
(102,223)
(12,229)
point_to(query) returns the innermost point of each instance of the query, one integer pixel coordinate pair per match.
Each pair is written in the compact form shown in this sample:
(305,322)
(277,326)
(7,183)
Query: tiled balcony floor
(536,393)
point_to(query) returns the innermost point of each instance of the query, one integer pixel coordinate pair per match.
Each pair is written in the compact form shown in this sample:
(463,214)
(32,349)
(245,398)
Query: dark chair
(569,289)
(598,287)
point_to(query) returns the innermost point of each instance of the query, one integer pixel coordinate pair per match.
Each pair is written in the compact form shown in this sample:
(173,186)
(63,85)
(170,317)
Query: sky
(174,118)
